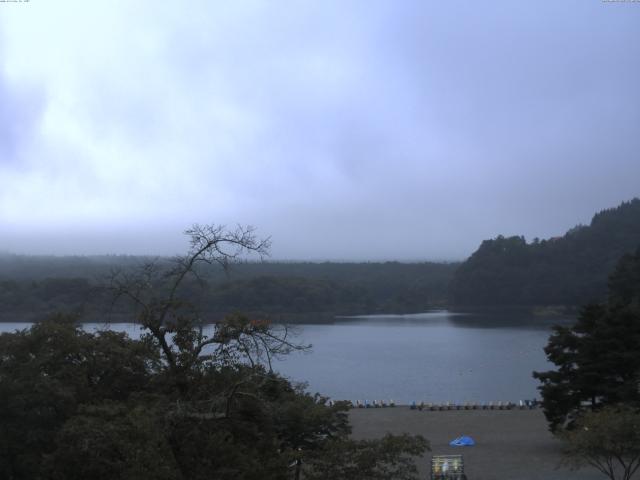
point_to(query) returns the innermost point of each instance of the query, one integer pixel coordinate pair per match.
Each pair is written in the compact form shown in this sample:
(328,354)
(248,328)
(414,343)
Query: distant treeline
(31,286)
(506,271)
(568,270)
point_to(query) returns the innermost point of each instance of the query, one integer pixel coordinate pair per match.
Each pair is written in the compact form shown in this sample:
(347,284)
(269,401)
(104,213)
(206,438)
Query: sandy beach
(510,444)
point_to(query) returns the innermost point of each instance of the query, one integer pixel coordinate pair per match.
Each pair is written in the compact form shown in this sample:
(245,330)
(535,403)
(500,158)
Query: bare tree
(175,325)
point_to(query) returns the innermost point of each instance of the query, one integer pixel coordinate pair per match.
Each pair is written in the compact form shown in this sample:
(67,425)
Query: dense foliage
(339,288)
(568,270)
(392,456)
(598,358)
(77,405)
(36,286)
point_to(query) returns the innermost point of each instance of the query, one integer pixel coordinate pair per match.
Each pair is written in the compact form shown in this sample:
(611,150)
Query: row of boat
(374,404)
(521,405)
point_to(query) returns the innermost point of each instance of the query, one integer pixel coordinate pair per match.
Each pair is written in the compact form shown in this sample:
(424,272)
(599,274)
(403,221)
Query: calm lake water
(430,357)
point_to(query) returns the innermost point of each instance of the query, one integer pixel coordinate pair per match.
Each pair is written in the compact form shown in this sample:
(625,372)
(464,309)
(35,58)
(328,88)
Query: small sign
(447,467)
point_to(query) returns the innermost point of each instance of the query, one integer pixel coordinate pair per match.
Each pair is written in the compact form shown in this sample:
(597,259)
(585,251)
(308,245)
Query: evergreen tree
(598,358)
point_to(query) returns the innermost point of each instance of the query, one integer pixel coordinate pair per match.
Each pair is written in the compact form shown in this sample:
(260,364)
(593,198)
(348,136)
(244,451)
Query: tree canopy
(608,440)
(568,270)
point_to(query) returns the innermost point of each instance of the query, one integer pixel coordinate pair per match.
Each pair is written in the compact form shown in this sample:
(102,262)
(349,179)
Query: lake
(432,357)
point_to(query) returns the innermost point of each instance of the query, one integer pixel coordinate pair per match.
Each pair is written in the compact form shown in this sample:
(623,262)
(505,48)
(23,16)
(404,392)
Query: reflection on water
(521,320)
(433,357)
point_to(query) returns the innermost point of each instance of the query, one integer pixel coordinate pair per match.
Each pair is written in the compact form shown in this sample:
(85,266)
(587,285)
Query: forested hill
(567,270)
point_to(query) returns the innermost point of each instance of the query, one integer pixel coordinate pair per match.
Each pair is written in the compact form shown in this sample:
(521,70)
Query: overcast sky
(405,130)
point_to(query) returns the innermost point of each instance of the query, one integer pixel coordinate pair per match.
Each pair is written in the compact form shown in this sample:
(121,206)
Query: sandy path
(510,444)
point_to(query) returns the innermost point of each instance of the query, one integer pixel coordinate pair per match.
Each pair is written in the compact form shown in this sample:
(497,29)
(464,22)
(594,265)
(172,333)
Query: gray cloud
(344,130)
(20,112)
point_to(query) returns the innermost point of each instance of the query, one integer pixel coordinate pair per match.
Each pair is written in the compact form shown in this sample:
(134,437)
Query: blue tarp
(463,441)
